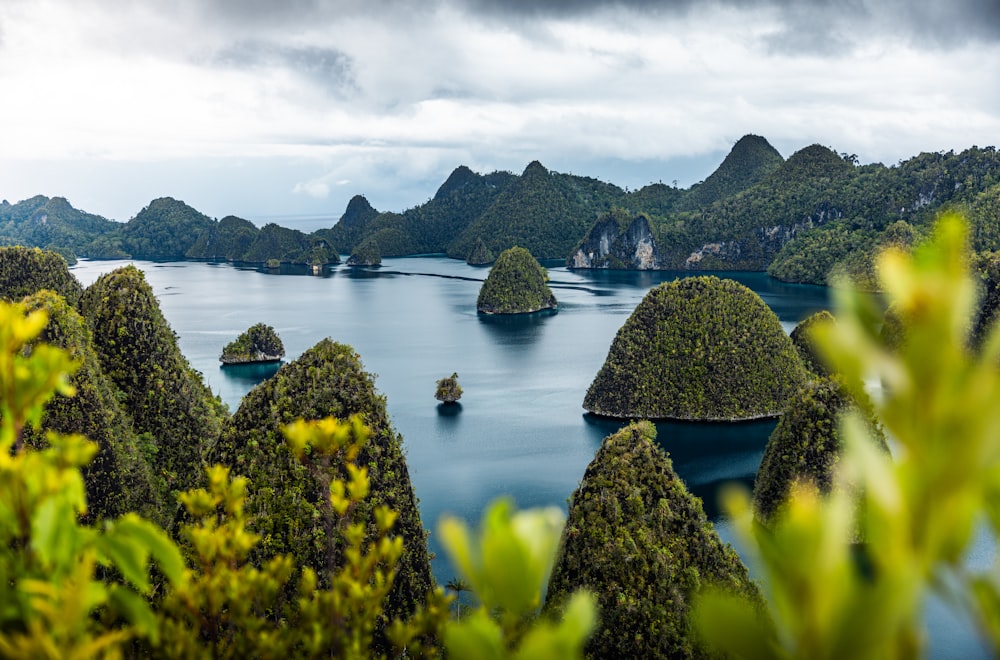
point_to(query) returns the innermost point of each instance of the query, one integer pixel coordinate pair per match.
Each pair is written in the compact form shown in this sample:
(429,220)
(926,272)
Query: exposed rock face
(698,348)
(608,246)
(640,541)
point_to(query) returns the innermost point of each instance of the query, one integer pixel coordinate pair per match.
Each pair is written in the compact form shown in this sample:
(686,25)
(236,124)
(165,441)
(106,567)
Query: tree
(448,389)
(918,510)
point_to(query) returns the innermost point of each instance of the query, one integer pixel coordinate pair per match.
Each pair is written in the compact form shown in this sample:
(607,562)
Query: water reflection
(250,374)
(449,409)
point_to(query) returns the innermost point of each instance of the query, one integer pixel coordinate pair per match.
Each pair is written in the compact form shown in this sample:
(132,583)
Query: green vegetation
(918,511)
(448,389)
(55,225)
(165,229)
(480,254)
(698,348)
(119,478)
(74,590)
(325,381)
(166,398)
(802,338)
(24,271)
(639,540)
(749,162)
(366,254)
(259,343)
(806,446)
(516,285)
(544,212)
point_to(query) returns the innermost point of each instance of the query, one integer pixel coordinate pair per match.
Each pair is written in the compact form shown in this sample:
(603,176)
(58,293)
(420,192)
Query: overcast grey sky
(271,109)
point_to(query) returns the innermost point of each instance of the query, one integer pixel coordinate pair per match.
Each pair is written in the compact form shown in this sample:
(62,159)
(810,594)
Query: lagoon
(520,430)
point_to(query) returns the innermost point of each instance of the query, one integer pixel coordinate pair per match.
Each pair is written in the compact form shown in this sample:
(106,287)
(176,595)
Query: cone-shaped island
(698,348)
(516,285)
(639,540)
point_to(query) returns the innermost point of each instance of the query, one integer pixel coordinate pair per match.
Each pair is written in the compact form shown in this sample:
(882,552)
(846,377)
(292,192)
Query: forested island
(516,285)
(698,348)
(258,343)
(802,219)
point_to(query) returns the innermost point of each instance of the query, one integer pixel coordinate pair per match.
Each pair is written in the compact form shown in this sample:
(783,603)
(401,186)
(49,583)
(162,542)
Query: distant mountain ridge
(801,219)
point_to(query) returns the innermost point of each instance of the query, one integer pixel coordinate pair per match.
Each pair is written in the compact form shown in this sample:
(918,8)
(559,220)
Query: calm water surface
(520,429)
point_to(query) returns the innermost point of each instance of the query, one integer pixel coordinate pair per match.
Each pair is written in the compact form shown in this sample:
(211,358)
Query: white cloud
(358,101)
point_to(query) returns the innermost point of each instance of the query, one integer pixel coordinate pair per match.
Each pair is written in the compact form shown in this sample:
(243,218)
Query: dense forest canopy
(803,219)
(516,285)
(698,348)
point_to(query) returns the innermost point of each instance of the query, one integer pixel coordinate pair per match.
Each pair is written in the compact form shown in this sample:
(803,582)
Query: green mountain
(698,348)
(166,229)
(640,542)
(351,227)
(367,253)
(229,239)
(749,162)
(55,225)
(24,271)
(544,212)
(802,339)
(120,478)
(286,498)
(806,445)
(516,285)
(165,397)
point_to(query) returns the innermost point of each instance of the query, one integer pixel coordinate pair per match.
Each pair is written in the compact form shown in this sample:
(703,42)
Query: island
(806,445)
(448,389)
(516,285)
(481,255)
(639,540)
(366,254)
(260,343)
(698,348)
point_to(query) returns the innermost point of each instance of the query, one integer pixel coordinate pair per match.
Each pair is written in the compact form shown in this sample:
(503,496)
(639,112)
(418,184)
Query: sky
(282,110)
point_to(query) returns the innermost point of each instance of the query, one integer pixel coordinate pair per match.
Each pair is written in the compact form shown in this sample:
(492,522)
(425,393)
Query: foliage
(165,397)
(750,160)
(326,381)
(54,223)
(258,343)
(516,285)
(448,389)
(480,254)
(165,229)
(697,348)
(119,479)
(230,238)
(801,337)
(639,540)
(366,254)
(542,211)
(229,607)
(54,600)
(24,271)
(918,513)
(806,445)
(507,568)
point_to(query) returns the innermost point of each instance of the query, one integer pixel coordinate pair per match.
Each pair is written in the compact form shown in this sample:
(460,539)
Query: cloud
(316,188)
(326,67)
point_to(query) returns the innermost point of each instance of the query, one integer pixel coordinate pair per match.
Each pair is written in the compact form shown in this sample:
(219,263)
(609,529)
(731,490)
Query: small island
(448,389)
(366,254)
(259,344)
(698,348)
(480,255)
(516,285)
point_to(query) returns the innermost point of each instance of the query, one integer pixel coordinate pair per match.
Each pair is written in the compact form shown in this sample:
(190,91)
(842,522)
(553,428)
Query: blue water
(520,429)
